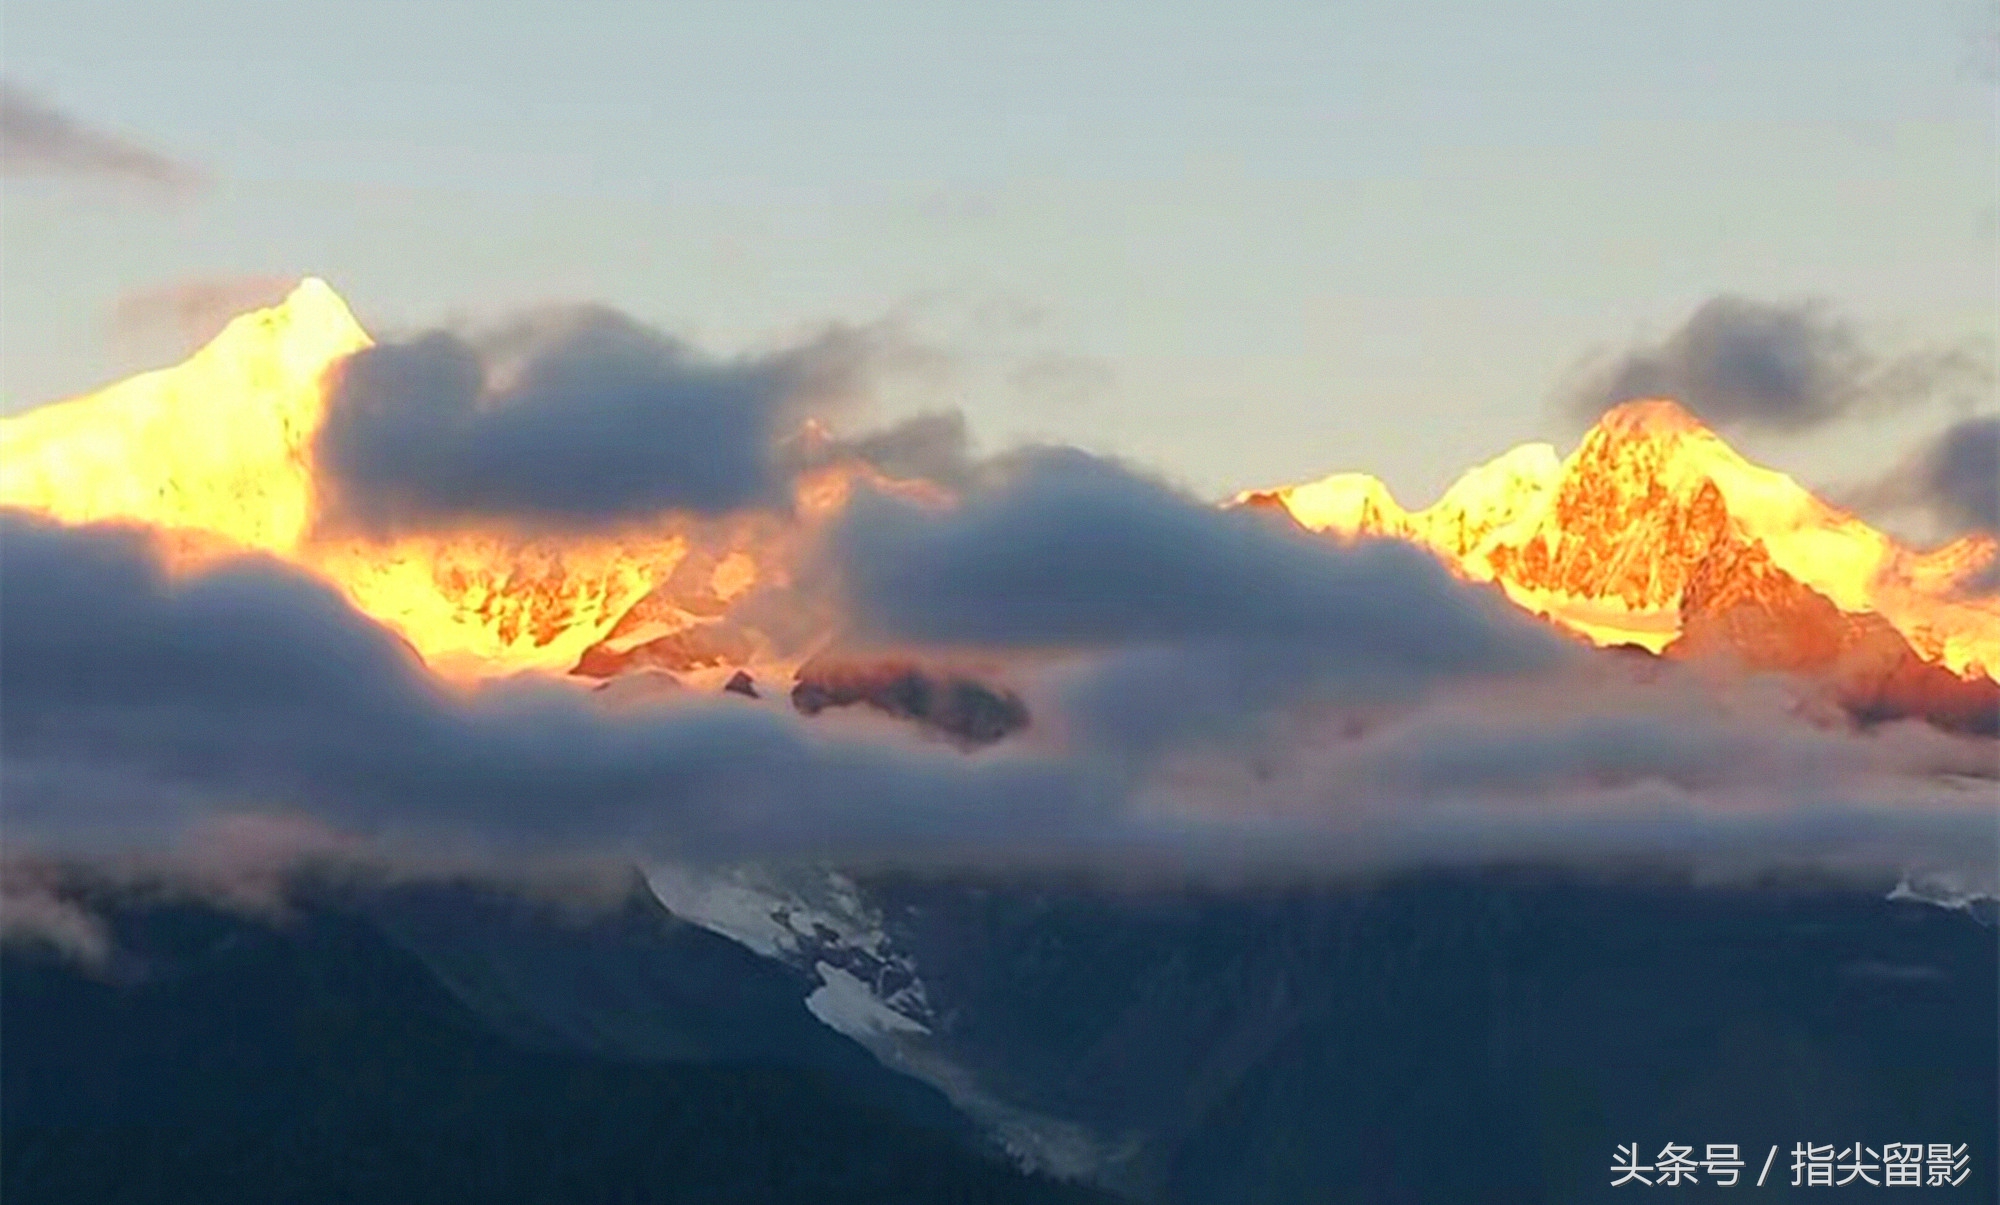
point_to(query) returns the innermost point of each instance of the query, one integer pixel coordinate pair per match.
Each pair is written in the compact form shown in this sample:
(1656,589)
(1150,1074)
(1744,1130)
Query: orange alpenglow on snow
(217,453)
(1605,541)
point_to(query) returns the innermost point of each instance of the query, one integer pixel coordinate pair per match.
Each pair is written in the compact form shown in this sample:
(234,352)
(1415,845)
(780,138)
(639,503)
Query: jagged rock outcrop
(945,700)
(701,646)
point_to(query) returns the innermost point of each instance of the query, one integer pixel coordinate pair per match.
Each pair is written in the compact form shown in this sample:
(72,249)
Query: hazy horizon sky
(1238,243)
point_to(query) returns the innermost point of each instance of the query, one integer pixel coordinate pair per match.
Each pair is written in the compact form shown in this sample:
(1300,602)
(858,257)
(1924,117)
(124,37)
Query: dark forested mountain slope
(1476,1036)
(222,1059)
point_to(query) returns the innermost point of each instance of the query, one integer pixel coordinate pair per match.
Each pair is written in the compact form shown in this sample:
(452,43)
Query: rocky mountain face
(1738,605)
(1616,528)
(1652,534)
(1317,1042)
(450,1044)
(1655,533)
(218,454)
(957,703)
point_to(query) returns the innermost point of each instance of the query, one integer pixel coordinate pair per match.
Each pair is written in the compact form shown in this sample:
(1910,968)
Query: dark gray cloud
(569,419)
(38,139)
(1953,480)
(1786,367)
(135,705)
(139,711)
(1061,549)
(1192,618)
(933,447)
(1958,475)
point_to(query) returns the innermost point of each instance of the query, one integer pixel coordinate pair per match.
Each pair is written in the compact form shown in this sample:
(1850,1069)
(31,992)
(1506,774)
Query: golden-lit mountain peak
(1493,504)
(1656,444)
(1956,567)
(1606,540)
(307,331)
(1650,418)
(216,444)
(217,453)
(1353,504)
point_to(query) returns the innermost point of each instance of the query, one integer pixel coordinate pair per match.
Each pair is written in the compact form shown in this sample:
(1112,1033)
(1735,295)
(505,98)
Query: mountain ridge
(1604,542)
(217,454)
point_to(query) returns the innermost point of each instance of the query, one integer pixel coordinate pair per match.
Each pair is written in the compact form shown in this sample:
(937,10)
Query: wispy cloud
(191,312)
(38,139)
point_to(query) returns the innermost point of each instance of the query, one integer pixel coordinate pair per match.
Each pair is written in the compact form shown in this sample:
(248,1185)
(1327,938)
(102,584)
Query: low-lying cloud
(136,704)
(1778,366)
(1588,765)
(1062,549)
(570,419)
(1192,617)
(137,708)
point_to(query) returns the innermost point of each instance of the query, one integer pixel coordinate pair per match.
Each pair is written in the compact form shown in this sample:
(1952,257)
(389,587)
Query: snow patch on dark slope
(816,920)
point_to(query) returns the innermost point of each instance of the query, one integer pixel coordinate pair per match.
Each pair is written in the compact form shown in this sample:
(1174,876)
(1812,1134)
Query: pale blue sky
(1238,242)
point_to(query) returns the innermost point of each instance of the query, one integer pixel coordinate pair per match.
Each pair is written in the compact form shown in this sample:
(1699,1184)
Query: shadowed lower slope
(224,1060)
